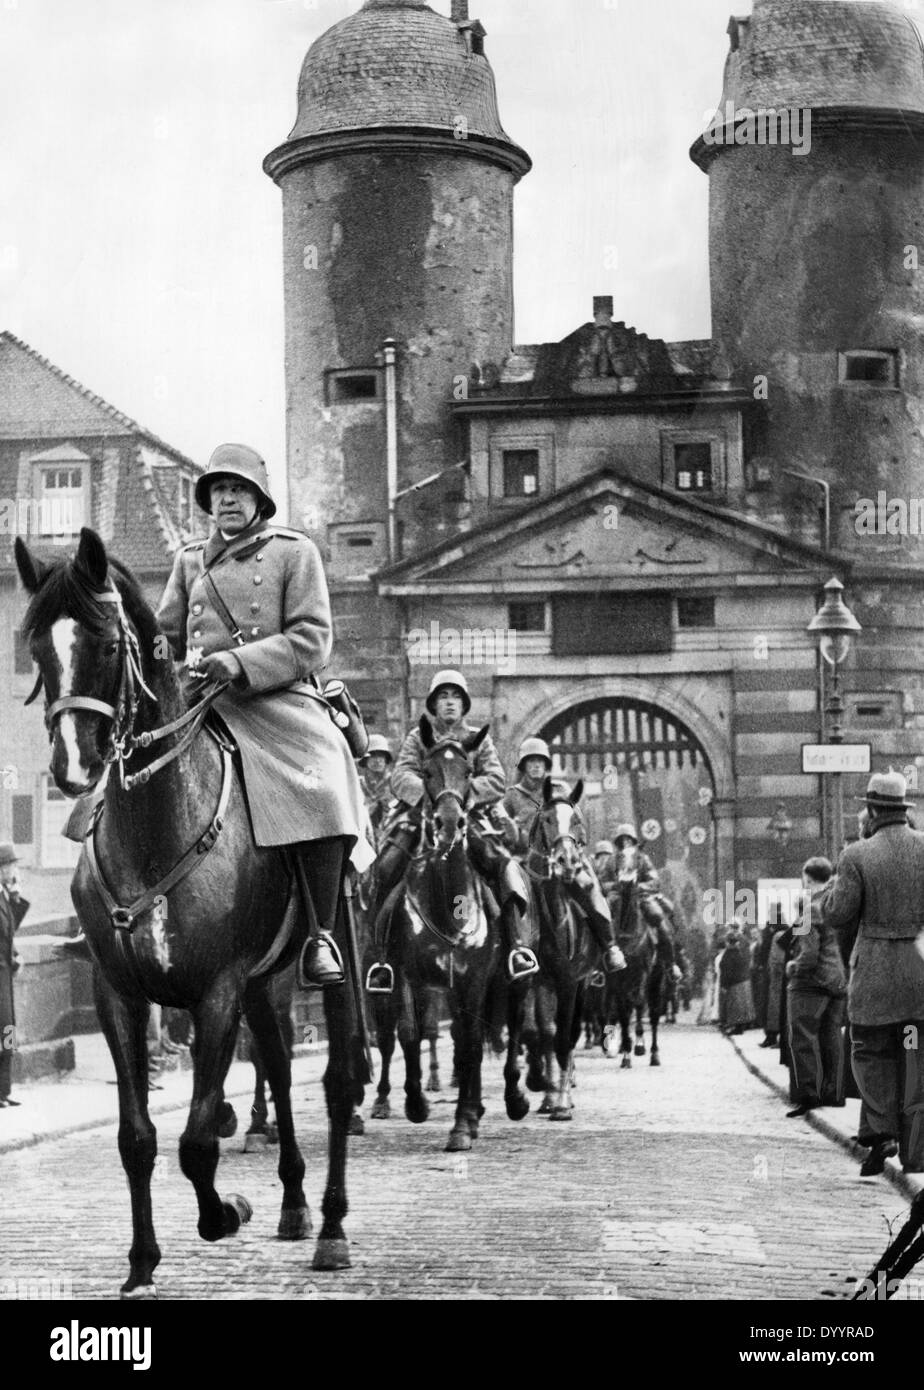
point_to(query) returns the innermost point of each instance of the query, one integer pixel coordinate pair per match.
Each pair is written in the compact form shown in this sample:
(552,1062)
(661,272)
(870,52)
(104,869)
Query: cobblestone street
(684,1182)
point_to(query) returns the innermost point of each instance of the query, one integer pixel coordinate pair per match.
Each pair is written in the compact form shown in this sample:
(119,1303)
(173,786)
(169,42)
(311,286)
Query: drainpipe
(391,444)
(826,489)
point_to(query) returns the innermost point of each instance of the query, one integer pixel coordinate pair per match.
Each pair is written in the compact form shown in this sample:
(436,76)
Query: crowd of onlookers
(838,984)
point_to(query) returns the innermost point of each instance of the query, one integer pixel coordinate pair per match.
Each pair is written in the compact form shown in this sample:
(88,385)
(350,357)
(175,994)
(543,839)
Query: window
(22,657)
(868,367)
(521,472)
(526,616)
(23,832)
(611,624)
(347,387)
(696,612)
(693,467)
(61,493)
(356,550)
(187,504)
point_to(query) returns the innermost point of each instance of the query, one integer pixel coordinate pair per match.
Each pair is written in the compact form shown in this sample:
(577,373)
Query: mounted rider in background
(633,866)
(523,802)
(375,780)
(447,703)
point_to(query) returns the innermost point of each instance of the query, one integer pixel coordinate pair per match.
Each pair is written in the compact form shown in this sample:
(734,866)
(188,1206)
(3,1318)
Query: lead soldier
(250,606)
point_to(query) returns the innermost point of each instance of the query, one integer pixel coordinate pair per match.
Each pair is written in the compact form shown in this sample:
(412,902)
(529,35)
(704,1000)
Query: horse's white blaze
(64,641)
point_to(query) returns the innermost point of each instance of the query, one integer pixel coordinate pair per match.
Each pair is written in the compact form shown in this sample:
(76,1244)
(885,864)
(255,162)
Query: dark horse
(442,926)
(643,984)
(568,953)
(207,916)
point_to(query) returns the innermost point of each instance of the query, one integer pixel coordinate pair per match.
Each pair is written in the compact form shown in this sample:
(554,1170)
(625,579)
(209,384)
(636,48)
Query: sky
(141,242)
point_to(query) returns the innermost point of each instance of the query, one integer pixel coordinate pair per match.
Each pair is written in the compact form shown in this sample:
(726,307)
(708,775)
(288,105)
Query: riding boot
(391,863)
(319,868)
(513,895)
(589,895)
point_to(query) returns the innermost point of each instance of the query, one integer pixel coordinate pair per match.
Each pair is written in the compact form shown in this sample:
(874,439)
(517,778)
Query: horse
(641,985)
(441,925)
(568,953)
(177,903)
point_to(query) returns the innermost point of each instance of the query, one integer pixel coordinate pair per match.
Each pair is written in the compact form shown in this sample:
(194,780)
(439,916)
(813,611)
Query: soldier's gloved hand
(220,666)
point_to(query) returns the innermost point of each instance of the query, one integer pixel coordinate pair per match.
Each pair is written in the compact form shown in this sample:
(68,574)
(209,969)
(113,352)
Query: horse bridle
(450,793)
(546,856)
(122,741)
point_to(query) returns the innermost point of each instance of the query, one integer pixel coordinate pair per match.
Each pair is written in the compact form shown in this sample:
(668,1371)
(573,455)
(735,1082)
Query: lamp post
(834,626)
(780,827)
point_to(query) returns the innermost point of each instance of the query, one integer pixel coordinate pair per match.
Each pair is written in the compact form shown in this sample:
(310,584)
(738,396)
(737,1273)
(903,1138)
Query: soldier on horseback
(448,702)
(633,866)
(250,606)
(522,802)
(375,781)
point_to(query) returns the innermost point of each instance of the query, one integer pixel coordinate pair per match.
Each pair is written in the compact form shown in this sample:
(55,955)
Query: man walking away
(817,986)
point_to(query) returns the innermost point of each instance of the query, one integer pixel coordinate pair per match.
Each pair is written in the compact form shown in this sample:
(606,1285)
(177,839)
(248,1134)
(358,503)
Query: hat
(625,830)
(534,748)
(604,847)
(378,743)
(8,855)
(455,678)
(887,790)
(236,461)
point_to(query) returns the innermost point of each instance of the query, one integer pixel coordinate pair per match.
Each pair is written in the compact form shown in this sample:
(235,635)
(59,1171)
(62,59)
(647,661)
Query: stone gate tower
(397,182)
(814,257)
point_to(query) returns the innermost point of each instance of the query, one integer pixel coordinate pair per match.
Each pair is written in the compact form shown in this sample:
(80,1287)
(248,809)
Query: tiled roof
(395,64)
(817,53)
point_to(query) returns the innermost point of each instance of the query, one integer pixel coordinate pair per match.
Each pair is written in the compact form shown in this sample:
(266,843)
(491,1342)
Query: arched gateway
(641,763)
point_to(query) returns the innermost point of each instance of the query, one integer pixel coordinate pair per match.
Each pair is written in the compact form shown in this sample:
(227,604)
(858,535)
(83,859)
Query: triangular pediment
(606,531)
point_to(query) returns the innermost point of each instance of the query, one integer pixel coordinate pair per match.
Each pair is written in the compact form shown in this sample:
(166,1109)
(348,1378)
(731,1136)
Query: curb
(155,1108)
(892,1171)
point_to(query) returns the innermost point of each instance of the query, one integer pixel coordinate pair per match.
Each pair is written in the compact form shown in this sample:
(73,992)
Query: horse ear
(476,740)
(92,559)
(547,790)
(426,731)
(577,791)
(31,571)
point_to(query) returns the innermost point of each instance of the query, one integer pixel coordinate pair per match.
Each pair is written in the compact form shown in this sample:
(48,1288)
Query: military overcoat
(301,781)
(487,782)
(13,909)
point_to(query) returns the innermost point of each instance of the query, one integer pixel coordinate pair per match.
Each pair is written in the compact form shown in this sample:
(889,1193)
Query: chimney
(603,308)
(459,11)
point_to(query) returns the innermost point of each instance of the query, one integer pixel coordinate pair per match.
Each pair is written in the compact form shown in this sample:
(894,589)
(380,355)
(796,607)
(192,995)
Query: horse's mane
(67,592)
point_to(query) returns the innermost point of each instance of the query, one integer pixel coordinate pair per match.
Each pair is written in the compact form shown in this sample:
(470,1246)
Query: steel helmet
(450,677)
(625,830)
(604,847)
(534,748)
(236,461)
(378,743)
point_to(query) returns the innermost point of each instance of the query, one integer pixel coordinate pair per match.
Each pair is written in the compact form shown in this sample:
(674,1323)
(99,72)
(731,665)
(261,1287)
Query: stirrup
(385,976)
(302,979)
(521,974)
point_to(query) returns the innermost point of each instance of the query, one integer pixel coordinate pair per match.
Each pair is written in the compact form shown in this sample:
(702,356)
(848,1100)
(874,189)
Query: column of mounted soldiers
(500,817)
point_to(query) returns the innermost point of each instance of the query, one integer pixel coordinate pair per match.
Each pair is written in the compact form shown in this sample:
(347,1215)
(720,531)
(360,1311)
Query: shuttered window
(605,624)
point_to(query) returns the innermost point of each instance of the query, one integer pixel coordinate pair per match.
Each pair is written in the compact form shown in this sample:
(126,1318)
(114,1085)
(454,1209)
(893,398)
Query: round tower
(397,183)
(816,182)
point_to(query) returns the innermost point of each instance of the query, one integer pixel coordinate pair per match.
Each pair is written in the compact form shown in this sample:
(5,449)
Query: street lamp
(834,625)
(780,827)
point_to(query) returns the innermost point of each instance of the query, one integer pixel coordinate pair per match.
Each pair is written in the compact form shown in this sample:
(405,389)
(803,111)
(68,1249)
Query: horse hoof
(546,1107)
(294,1224)
(460,1141)
(235,1202)
(561,1112)
(655,1059)
(331,1254)
(433,1085)
(141,1293)
(357,1125)
(535,1081)
(381,1110)
(227,1121)
(517,1107)
(639,1049)
(417,1110)
(256,1142)
(626,1061)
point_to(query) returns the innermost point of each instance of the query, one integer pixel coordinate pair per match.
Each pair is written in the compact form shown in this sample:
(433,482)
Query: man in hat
(879,892)
(375,781)
(448,702)
(634,866)
(250,606)
(523,802)
(13,909)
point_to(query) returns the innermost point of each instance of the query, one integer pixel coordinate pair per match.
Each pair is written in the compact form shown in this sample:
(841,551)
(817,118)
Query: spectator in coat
(815,1000)
(879,892)
(736,1003)
(13,909)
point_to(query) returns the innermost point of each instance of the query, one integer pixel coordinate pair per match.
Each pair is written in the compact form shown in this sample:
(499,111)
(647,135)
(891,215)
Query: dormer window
(187,504)
(61,490)
(868,367)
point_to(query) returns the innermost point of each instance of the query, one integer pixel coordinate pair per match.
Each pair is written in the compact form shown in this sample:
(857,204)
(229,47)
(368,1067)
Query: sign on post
(835,757)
